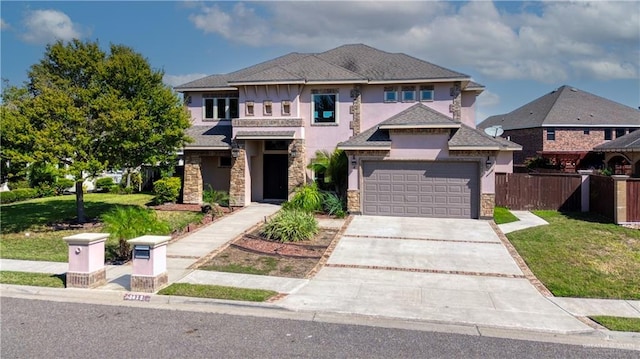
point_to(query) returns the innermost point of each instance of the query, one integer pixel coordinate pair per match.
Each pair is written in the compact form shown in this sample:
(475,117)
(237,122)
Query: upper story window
(426,93)
(620,132)
(607,134)
(408,93)
(220,108)
(586,131)
(267,107)
(324,107)
(286,108)
(551,134)
(249,108)
(390,94)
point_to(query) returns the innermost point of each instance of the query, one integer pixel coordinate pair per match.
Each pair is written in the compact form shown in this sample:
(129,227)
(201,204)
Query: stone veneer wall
(456,105)
(355,110)
(297,175)
(87,280)
(353,201)
(237,185)
(487,204)
(149,284)
(192,185)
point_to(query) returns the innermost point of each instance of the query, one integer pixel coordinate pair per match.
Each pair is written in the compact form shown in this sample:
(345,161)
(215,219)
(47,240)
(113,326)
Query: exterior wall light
(294,152)
(354,162)
(488,163)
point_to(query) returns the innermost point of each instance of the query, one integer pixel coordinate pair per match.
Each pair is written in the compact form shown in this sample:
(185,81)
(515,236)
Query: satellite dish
(494,131)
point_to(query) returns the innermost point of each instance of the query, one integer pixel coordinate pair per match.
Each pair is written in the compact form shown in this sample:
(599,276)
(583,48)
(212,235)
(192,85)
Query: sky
(519,50)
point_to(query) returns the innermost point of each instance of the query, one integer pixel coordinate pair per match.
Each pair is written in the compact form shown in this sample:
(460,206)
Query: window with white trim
(267,108)
(426,93)
(324,107)
(390,94)
(220,108)
(249,108)
(286,108)
(551,134)
(408,93)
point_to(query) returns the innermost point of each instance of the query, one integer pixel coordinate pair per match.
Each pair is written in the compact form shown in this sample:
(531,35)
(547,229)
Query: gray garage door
(421,189)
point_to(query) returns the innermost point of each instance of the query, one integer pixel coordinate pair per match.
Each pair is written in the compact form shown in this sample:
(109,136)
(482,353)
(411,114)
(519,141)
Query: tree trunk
(80,202)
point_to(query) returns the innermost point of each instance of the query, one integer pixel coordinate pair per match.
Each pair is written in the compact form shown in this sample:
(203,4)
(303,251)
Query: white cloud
(488,98)
(46,26)
(175,80)
(3,24)
(547,41)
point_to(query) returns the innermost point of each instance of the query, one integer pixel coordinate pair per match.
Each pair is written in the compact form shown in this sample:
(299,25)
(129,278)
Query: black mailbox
(141,252)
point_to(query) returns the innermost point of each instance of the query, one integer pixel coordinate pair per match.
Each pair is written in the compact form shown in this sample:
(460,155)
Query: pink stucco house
(407,126)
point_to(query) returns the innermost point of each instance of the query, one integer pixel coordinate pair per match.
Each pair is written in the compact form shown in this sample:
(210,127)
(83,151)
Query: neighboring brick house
(564,126)
(408,127)
(622,155)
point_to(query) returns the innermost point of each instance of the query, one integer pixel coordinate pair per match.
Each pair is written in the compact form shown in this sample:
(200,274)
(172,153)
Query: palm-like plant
(333,167)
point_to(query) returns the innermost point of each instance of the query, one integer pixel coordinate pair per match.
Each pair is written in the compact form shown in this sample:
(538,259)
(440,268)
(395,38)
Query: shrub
(42,175)
(123,223)
(333,205)
(15,184)
(23,194)
(210,195)
(291,225)
(104,184)
(307,198)
(45,190)
(62,184)
(7,197)
(166,190)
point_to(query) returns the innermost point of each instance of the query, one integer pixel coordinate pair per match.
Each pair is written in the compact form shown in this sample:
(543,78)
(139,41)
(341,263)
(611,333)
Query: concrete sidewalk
(526,220)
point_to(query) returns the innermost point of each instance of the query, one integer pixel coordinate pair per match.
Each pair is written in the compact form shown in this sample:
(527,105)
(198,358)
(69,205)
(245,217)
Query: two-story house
(407,126)
(564,126)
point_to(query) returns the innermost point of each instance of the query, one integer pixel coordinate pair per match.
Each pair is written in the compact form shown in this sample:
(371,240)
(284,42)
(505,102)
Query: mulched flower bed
(257,244)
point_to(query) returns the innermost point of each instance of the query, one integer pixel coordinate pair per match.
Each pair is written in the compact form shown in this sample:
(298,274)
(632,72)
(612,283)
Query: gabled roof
(421,116)
(354,63)
(567,107)
(627,143)
(210,138)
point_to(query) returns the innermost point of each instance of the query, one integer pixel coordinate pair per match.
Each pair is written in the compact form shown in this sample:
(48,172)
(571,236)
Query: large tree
(90,110)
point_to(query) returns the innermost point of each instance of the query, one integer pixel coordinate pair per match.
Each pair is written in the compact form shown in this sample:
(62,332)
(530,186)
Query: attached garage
(421,189)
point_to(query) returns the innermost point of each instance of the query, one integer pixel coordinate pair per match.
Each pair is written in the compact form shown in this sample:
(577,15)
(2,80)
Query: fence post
(585,189)
(620,198)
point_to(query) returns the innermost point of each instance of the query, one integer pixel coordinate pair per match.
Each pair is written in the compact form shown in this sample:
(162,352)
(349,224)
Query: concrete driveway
(442,270)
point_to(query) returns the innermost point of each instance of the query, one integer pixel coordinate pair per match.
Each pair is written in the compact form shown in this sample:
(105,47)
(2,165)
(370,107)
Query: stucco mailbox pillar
(149,263)
(86,260)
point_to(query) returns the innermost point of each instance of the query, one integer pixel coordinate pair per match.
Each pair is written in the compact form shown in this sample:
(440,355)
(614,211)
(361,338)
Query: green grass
(217,292)
(501,215)
(577,255)
(266,265)
(618,323)
(33,279)
(25,234)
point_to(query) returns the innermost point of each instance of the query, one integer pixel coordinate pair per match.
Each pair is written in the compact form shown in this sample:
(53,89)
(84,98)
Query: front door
(276,176)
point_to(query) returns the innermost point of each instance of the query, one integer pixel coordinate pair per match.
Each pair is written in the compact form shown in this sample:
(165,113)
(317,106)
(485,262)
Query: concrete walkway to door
(442,270)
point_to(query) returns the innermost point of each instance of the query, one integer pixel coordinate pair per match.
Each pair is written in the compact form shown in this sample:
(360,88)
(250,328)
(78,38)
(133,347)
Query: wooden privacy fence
(522,191)
(601,196)
(633,200)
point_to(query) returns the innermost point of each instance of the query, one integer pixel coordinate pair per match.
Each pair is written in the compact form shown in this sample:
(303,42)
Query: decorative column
(353,201)
(355,110)
(297,176)
(86,260)
(192,186)
(237,185)
(585,189)
(487,205)
(149,263)
(456,106)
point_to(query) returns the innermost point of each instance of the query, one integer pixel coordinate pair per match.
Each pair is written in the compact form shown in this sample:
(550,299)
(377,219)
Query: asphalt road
(45,329)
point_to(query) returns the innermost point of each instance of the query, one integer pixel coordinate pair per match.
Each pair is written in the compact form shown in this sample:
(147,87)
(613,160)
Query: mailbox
(141,252)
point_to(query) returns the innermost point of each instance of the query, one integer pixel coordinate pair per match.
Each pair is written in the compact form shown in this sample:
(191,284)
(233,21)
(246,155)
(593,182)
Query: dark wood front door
(275,176)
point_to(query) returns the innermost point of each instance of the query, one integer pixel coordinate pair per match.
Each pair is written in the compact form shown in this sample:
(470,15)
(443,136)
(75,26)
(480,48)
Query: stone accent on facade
(456,105)
(355,110)
(148,284)
(87,280)
(192,185)
(421,131)
(267,122)
(487,204)
(353,201)
(473,153)
(373,153)
(297,174)
(237,181)
(620,199)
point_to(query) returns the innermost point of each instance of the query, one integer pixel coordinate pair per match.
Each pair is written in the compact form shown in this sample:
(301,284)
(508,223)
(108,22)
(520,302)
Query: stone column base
(87,280)
(148,284)
(353,201)
(487,204)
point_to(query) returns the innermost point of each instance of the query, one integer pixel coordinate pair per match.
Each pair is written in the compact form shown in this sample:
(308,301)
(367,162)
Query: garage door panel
(421,189)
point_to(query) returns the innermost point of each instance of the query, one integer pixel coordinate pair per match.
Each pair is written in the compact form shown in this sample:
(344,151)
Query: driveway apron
(442,270)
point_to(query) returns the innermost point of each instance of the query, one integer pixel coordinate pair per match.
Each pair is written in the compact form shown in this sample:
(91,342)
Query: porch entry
(275,176)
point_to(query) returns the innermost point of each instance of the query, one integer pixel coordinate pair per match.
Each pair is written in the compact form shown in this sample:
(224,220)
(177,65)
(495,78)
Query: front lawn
(217,292)
(27,231)
(577,255)
(33,279)
(618,323)
(501,215)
